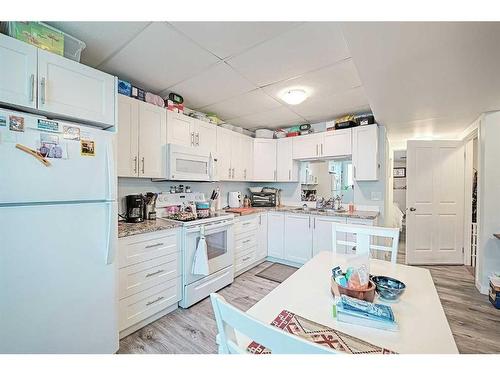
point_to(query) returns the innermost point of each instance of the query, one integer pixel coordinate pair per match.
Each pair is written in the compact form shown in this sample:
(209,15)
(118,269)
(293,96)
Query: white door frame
(468,173)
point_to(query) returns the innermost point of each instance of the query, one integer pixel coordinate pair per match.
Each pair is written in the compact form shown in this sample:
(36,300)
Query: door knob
(412,209)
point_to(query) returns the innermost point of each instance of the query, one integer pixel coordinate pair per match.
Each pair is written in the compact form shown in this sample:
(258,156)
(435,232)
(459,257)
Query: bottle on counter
(351,207)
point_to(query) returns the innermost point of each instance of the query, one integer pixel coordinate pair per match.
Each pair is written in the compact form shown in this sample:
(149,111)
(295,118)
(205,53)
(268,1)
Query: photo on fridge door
(50,147)
(87,148)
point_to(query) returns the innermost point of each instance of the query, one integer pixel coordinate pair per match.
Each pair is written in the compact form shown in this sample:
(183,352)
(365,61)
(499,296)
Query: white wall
(488,199)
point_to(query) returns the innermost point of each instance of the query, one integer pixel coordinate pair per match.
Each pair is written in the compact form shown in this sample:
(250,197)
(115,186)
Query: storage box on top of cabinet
(46,83)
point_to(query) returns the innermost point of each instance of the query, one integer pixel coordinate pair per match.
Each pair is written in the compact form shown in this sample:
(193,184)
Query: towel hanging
(200,261)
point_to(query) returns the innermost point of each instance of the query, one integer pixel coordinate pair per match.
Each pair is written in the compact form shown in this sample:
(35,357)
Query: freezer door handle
(112,233)
(111,172)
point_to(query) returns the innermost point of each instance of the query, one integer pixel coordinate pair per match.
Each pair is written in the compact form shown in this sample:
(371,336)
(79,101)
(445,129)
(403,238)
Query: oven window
(191,166)
(216,244)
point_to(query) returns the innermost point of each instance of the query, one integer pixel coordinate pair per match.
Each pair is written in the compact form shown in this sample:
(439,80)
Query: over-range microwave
(189,164)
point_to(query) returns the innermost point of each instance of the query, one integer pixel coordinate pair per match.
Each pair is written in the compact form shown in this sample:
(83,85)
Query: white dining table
(423,327)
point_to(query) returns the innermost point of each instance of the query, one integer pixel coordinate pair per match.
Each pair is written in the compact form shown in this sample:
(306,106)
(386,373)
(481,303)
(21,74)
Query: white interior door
(435,191)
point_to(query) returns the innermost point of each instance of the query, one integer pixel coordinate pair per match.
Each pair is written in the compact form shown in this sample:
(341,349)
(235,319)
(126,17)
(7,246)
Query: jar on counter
(203,210)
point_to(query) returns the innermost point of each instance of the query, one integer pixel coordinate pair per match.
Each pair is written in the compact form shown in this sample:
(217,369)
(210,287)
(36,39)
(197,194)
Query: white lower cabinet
(276,234)
(298,238)
(322,233)
(248,234)
(150,282)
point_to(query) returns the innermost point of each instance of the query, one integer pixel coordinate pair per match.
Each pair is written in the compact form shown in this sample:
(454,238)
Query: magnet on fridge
(87,148)
(3,120)
(16,123)
(71,133)
(48,126)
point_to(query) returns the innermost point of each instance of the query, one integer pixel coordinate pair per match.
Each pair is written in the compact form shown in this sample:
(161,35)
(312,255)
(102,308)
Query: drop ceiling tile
(300,50)
(335,78)
(217,83)
(226,39)
(159,57)
(102,38)
(273,118)
(330,106)
(242,105)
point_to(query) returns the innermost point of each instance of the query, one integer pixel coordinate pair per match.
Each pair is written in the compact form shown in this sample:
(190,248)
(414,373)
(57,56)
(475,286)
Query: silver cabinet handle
(154,273)
(197,139)
(260,219)
(156,300)
(245,174)
(143,165)
(354,171)
(135,164)
(322,149)
(290,174)
(233,172)
(247,241)
(192,139)
(245,259)
(275,175)
(32,87)
(43,87)
(317,152)
(229,173)
(154,245)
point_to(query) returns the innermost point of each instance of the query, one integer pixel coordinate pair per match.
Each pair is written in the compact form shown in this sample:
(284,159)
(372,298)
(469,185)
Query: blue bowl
(388,289)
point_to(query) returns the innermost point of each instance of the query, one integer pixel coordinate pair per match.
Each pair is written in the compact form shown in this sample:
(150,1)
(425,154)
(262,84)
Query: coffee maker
(135,208)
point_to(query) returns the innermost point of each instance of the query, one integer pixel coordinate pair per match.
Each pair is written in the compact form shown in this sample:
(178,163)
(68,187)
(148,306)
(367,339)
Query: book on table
(356,311)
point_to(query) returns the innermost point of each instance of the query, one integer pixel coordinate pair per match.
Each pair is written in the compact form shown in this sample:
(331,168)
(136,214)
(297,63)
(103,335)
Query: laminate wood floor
(475,323)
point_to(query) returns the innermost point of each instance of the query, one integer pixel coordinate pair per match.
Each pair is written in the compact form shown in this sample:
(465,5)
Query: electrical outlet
(376,196)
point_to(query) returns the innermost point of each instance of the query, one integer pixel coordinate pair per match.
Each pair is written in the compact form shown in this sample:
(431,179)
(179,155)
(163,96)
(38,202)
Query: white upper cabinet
(365,153)
(70,89)
(179,129)
(18,75)
(205,135)
(307,146)
(247,157)
(152,136)
(141,139)
(223,165)
(286,168)
(337,143)
(298,238)
(37,79)
(128,137)
(264,167)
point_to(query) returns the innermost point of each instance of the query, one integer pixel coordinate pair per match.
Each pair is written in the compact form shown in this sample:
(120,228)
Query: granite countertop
(147,226)
(367,215)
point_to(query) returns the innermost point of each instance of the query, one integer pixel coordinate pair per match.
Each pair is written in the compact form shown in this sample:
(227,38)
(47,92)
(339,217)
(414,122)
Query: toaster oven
(263,199)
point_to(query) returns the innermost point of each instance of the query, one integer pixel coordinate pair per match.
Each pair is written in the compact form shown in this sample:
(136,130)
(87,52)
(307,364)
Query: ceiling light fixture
(294,96)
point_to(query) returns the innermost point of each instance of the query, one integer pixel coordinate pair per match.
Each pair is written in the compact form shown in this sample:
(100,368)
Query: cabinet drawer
(144,275)
(244,226)
(143,247)
(142,305)
(245,243)
(245,259)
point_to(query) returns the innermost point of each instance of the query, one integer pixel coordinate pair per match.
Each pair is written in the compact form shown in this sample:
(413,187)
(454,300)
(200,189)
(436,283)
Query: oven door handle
(209,228)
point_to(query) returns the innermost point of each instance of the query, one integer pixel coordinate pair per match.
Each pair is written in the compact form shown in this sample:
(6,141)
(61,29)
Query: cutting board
(242,211)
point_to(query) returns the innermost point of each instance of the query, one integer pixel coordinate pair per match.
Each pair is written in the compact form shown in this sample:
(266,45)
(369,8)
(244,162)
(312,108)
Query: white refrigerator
(58,237)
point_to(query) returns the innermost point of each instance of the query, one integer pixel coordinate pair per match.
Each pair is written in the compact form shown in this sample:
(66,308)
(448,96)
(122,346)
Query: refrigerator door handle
(112,233)
(111,172)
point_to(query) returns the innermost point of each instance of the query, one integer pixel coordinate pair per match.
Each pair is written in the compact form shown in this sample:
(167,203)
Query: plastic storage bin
(47,38)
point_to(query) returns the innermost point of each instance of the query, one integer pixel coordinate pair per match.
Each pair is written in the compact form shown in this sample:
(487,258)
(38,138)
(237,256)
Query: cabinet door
(223,154)
(298,238)
(307,146)
(365,153)
(262,237)
(180,129)
(128,137)
(286,168)
(264,165)
(337,143)
(70,89)
(322,234)
(17,72)
(206,135)
(237,165)
(152,136)
(275,234)
(247,157)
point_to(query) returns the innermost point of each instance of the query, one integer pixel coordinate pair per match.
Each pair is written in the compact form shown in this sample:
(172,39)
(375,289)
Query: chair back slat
(365,235)
(231,320)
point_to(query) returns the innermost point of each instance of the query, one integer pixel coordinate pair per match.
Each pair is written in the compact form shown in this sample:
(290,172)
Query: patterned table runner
(319,334)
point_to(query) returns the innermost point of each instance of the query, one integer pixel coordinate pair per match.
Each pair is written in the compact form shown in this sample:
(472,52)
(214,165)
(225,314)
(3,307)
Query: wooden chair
(364,235)
(230,319)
